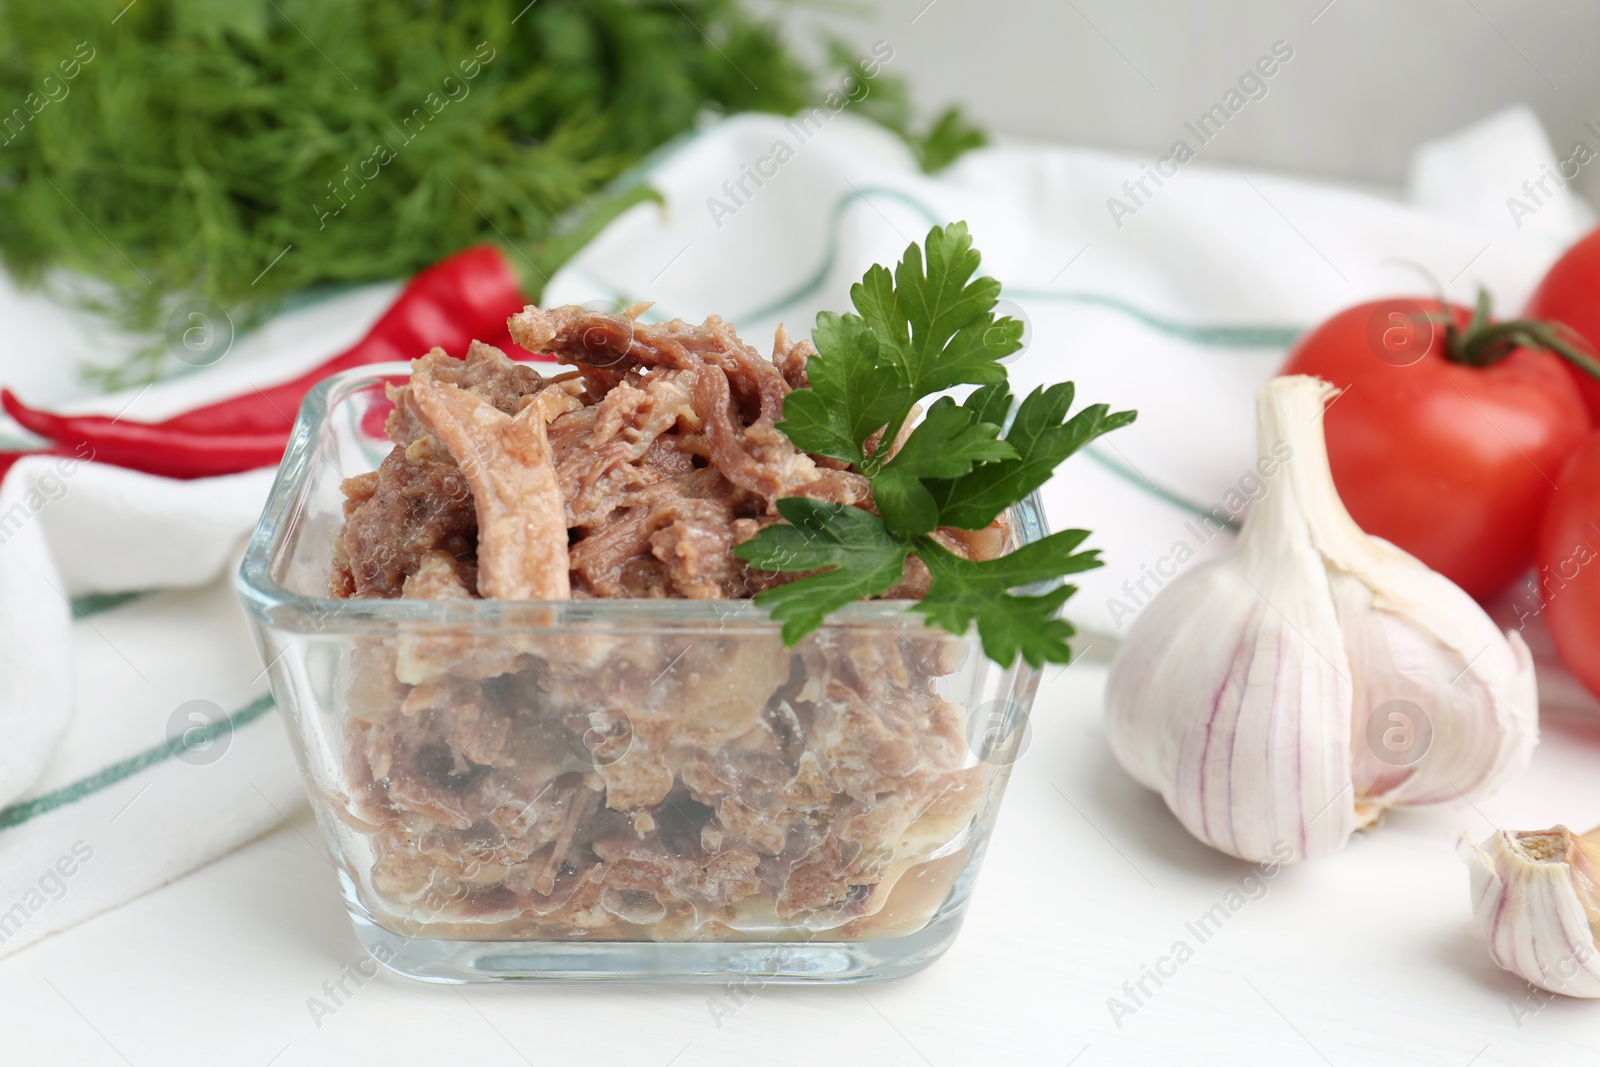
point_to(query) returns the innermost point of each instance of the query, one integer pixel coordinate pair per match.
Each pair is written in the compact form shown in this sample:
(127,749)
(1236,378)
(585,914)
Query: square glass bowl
(623,789)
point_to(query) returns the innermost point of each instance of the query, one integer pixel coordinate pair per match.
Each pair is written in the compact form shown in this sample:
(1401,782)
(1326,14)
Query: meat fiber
(507,462)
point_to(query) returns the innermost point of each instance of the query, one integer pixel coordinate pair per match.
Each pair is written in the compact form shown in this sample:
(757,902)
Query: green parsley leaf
(862,559)
(946,444)
(963,591)
(875,299)
(905,503)
(990,404)
(1041,439)
(852,394)
(924,328)
(934,322)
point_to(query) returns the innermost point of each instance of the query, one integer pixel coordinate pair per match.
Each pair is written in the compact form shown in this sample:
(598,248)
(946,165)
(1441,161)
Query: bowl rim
(273,605)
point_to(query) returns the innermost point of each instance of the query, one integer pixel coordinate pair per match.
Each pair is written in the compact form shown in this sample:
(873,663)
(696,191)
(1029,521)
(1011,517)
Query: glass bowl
(623,789)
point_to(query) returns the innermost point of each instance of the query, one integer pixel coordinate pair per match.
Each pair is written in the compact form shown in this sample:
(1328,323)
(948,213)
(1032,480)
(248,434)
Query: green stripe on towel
(96,603)
(106,777)
(1212,335)
(819,277)
(1139,481)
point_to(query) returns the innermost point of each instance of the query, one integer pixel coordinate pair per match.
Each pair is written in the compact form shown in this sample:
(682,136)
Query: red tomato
(1453,463)
(1570,293)
(1569,565)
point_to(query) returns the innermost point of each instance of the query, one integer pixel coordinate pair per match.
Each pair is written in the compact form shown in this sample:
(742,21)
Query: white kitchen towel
(138,740)
(129,689)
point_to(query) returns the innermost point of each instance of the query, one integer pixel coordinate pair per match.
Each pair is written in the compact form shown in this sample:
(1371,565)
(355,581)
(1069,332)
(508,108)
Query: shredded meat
(665,451)
(397,515)
(507,462)
(581,784)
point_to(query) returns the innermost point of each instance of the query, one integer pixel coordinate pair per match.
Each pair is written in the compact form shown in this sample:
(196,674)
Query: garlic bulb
(1537,896)
(1291,691)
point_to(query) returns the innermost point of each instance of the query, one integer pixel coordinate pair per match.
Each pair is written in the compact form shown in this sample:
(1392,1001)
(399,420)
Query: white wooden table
(1368,957)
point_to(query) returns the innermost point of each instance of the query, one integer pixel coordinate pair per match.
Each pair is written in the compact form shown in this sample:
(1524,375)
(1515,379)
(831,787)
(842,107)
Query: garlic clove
(1294,689)
(1453,711)
(1419,643)
(1456,693)
(1537,896)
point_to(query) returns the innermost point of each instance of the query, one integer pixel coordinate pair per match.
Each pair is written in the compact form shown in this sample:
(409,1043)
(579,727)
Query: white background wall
(1368,81)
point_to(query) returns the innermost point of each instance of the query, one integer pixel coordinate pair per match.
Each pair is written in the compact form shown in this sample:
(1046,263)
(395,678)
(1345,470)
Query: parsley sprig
(925,329)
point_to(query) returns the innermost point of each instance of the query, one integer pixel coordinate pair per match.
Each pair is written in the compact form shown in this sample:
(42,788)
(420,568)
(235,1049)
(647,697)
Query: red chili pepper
(152,449)
(470,295)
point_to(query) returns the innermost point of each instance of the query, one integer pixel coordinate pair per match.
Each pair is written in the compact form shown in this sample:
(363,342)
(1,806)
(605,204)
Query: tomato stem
(1483,344)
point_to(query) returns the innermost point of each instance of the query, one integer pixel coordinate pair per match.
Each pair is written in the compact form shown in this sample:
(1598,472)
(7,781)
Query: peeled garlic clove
(1537,896)
(1292,690)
